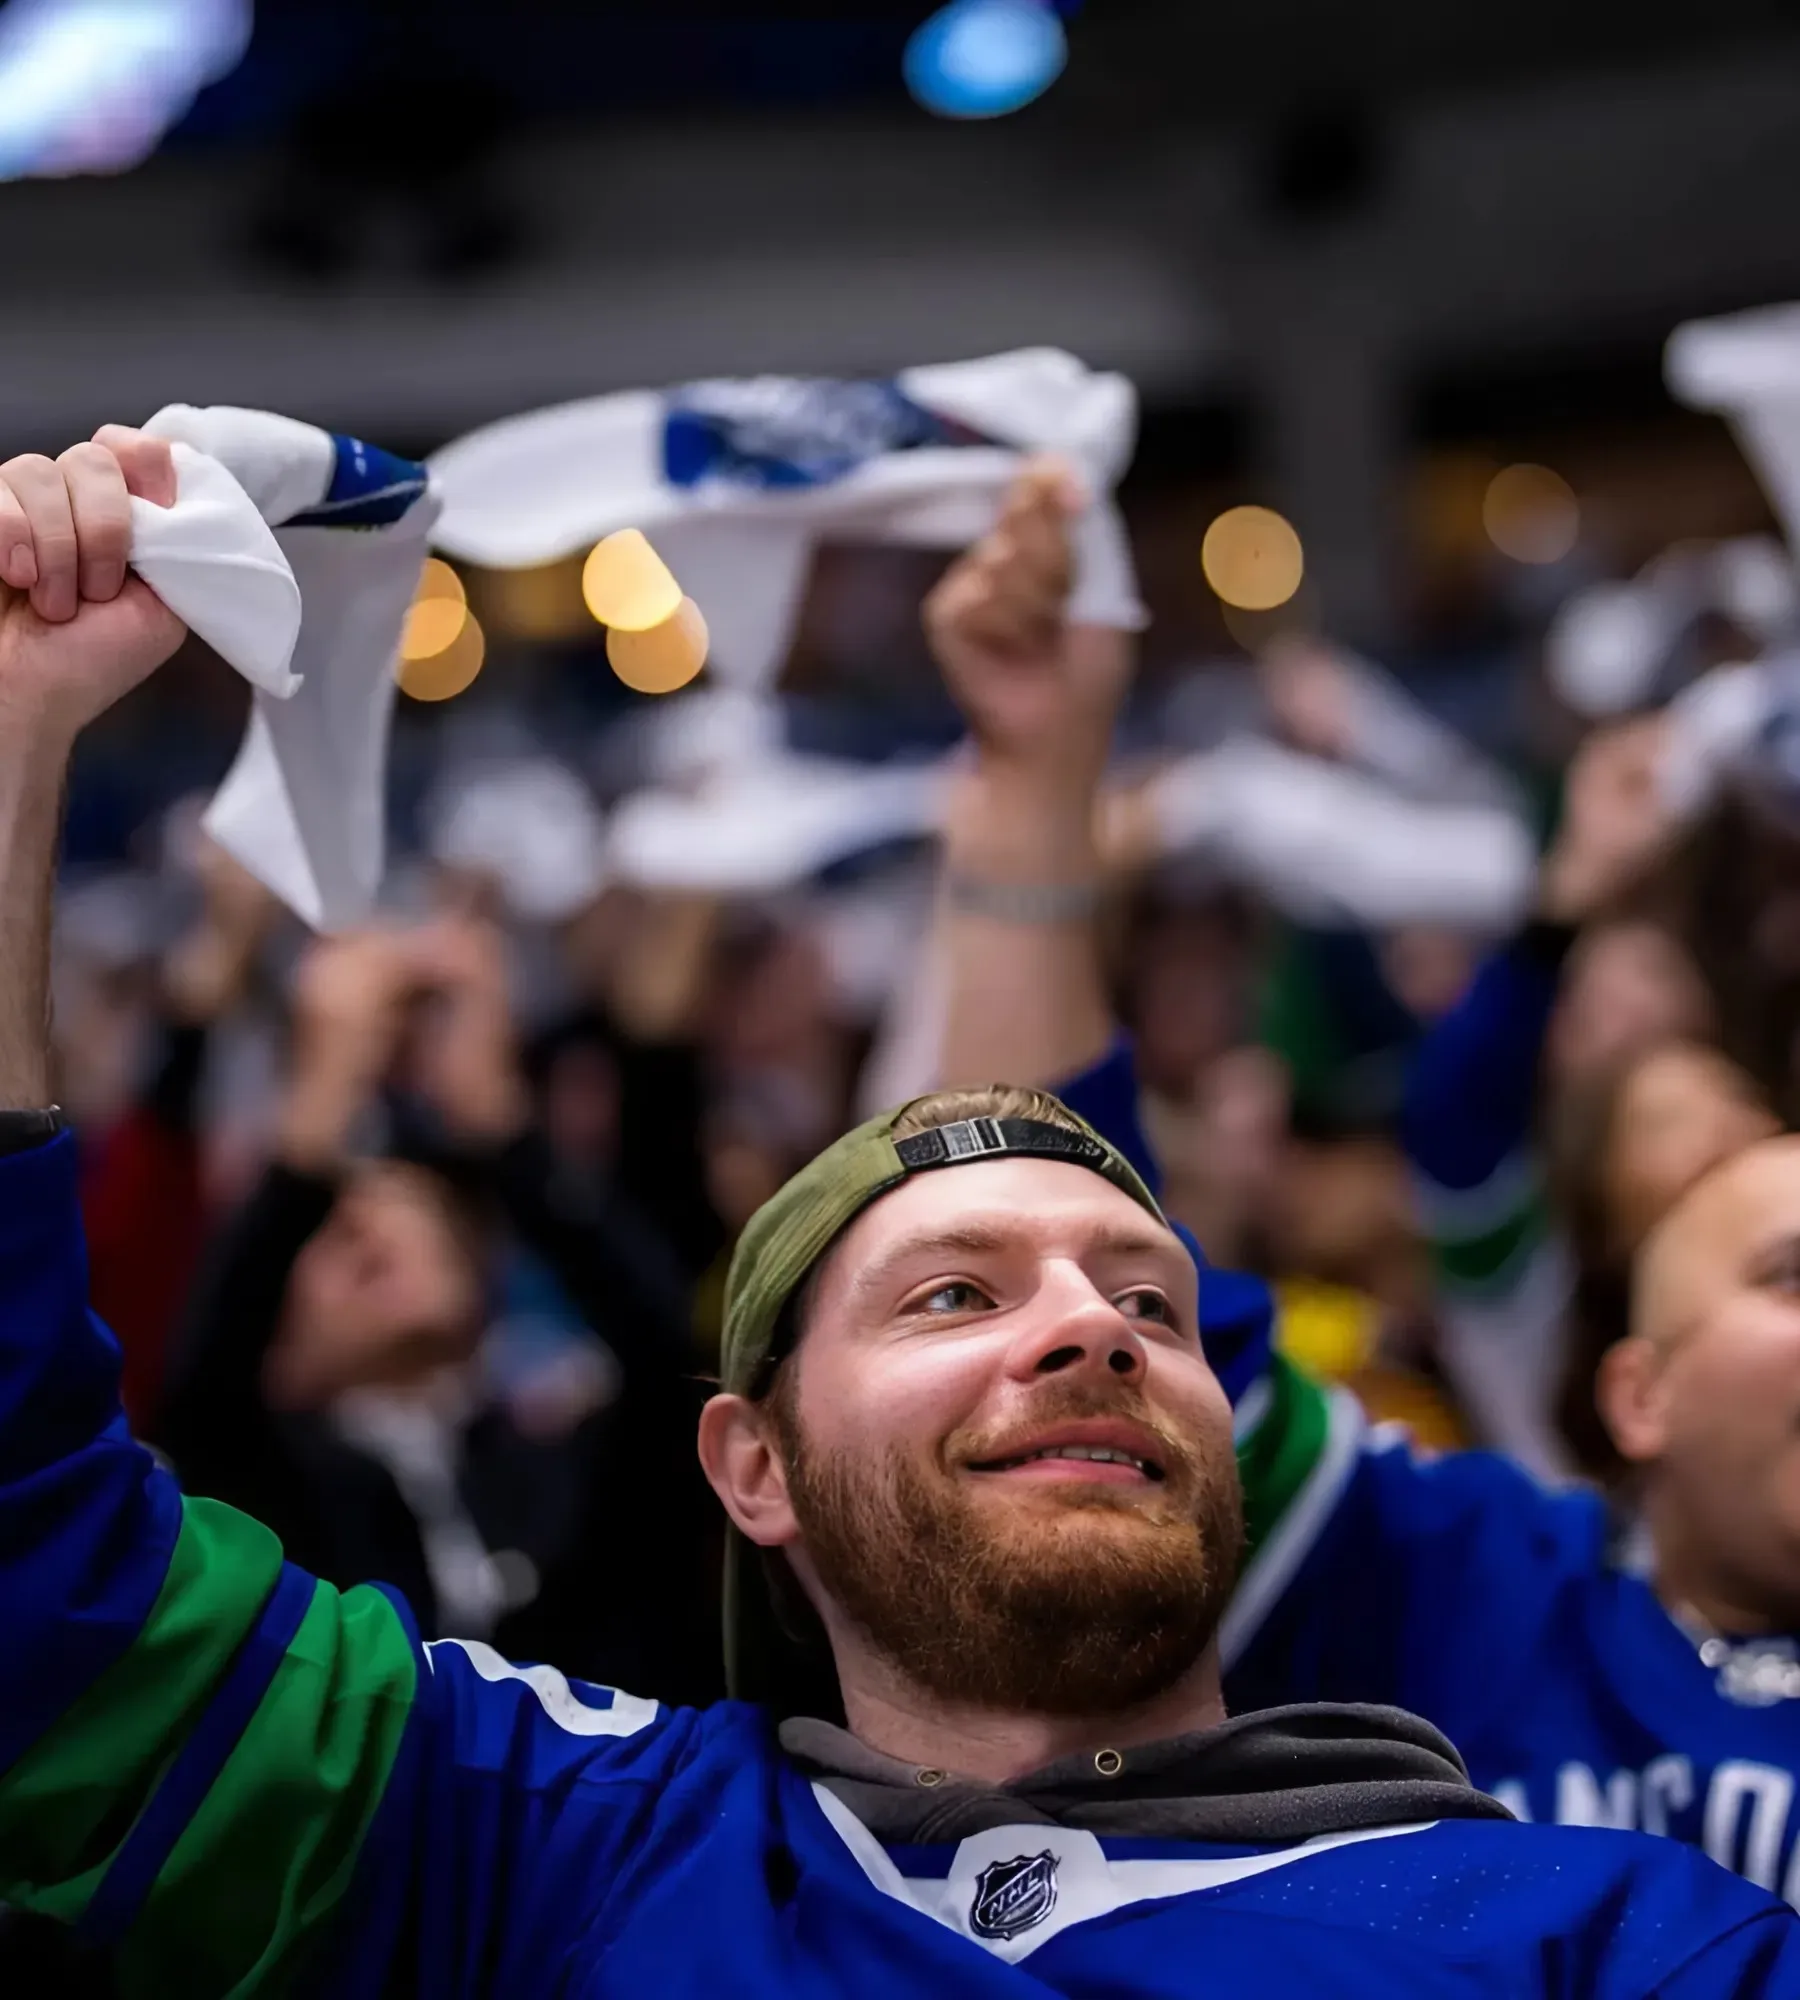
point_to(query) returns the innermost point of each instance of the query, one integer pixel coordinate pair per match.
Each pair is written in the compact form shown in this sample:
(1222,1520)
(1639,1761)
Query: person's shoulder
(1567,1523)
(538,1729)
(1629,1908)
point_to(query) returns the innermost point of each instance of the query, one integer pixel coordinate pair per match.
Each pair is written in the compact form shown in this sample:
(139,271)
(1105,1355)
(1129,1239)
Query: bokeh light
(983,58)
(438,579)
(665,657)
(627,585)
(1531,514)
(1252,558)
(438,613)
(437,676)
(432,624)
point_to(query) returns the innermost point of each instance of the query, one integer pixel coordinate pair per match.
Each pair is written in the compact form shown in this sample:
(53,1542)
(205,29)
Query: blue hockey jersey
(256,1784)
(1503,1611)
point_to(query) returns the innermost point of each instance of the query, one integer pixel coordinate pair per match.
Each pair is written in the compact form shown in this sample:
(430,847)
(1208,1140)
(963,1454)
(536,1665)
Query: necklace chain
(1755,1673)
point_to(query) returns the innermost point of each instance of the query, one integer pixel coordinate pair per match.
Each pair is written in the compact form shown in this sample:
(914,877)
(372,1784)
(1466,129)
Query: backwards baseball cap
(766,1661)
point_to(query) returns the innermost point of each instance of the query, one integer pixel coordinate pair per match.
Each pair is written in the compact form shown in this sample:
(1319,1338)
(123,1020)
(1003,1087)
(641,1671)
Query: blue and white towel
(734,482)
(294,554)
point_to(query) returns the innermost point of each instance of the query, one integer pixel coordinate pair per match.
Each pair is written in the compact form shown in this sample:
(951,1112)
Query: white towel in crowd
(294,554)
(734,481)
(1746,366)
(1330,845)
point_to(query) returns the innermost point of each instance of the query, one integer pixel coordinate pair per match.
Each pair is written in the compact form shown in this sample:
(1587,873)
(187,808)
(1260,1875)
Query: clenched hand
(77,630)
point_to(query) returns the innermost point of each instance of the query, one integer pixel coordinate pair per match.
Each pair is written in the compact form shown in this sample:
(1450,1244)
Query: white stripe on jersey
(627,1714)
(1283,1550)
(1087,1884)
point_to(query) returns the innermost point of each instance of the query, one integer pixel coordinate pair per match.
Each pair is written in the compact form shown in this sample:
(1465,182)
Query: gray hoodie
(1282,1774)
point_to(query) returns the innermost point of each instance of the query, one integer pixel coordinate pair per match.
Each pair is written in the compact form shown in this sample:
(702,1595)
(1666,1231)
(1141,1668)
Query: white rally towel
(294,554)
(1747,367)
(734,481)
(1330,845)
(768,823)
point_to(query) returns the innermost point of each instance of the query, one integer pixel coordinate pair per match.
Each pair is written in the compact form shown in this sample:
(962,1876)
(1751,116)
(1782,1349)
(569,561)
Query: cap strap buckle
(979,1138)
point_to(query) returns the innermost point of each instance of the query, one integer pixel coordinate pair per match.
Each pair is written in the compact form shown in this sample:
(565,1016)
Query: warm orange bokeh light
(627,585)
(1252,558)
(448,671)
(664,658)
(1531,514)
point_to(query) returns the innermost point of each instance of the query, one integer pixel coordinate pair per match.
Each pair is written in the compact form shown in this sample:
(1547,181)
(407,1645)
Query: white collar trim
(1086,1883)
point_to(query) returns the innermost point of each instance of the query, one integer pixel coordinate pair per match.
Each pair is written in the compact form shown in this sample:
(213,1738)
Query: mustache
(1179,1454)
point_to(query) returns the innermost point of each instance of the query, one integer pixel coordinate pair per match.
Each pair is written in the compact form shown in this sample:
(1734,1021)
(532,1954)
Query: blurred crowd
(415,1238)
(1427,1040)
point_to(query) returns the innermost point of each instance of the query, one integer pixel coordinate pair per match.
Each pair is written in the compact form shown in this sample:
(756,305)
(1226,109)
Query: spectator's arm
(626,1284)
(206,971)
(1467,1123)
(215,1422)
(1470,1099)
(656,985)
(1024,1001)
(1337,705)
(1472,1087)
(346,1013)
(148,1644)
(608,1260)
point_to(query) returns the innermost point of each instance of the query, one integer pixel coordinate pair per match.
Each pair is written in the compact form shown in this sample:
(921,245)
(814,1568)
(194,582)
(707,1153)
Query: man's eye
(1783,1274)
(955,1297)
(1147,1305)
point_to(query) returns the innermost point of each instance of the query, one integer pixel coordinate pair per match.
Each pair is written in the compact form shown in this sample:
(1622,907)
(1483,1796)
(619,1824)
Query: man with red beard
(1629,1660)
(981,1476)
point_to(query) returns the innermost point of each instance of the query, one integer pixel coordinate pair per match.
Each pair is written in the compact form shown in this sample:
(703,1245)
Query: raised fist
(1309,695)
(349,998)
(467,1060)
(1028,682)
(1616,821)
(77,631)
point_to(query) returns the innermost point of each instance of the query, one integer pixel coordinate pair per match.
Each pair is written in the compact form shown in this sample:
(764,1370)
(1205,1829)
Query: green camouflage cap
(777,1252)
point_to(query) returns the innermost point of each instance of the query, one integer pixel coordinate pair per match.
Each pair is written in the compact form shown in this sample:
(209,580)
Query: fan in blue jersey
(1632,1669)
(981,1478)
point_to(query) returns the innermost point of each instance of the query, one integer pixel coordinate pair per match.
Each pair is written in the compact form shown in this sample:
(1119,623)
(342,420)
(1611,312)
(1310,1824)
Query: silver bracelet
(1022,902)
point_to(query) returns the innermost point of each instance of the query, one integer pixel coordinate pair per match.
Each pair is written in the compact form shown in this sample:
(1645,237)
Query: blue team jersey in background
(1462,1589)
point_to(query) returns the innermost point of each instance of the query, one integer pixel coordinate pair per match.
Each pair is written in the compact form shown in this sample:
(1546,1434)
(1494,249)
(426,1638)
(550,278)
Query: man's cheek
(916,1408)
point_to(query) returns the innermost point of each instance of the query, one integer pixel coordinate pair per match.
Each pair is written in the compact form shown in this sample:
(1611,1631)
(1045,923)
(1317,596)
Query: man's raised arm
(1015,936)
(178,1707)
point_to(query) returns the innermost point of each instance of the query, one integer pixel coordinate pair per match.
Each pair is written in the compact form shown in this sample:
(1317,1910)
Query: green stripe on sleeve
(269,1852)
(67,1804)
(1494,1261)
(1296,1467)
(1277,1457)
(1484,1238)
(269,1856)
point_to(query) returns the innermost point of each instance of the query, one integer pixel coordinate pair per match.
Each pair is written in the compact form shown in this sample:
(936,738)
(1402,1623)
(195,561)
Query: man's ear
(1632,1395)
(738,1455)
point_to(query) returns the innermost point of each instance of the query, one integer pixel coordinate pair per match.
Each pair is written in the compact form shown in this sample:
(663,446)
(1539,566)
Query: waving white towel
(1747,367)
(734,481)
(294,554)
(1330,845)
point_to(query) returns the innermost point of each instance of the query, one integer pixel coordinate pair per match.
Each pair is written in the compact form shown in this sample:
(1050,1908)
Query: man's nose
(1075,1331)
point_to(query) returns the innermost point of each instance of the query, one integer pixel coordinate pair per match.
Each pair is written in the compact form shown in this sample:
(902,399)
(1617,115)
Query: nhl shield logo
(1011,1896)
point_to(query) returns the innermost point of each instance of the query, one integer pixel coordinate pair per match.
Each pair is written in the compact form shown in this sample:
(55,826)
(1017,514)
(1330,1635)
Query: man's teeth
(1100,1454)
